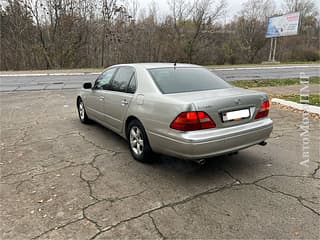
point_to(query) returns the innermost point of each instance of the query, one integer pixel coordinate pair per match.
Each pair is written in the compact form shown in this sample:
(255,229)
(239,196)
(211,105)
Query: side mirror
(87,85)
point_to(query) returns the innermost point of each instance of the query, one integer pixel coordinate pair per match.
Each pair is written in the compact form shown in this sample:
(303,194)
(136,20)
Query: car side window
(104,80)
(132,85)
(122,79)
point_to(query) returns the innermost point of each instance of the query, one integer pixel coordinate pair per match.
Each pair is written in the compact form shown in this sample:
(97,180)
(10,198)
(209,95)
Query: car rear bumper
(212,142)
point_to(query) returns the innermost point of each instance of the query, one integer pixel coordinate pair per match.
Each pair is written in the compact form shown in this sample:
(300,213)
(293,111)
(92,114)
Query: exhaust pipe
(233,153)
(263,143)
(201,162)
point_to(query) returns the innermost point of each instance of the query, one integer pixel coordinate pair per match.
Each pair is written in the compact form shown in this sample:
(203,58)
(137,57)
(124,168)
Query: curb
(299,106)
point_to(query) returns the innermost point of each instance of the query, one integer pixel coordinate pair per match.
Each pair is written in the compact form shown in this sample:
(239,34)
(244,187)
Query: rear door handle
(101,98)
(124,102)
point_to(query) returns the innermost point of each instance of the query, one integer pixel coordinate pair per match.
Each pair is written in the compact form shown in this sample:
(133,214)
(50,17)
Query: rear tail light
(264,110)
(190,121)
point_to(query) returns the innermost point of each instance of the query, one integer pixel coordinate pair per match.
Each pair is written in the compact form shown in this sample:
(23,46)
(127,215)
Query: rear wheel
(82,112)
(138,142)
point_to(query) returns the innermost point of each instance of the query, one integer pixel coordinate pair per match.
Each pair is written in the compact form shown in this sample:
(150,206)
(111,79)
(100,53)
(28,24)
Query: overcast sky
(234,6)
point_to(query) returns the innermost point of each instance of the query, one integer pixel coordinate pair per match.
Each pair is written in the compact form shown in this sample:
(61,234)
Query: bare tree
(190,19)
(308,37)
(181,10)
(251,26)
(258,9)
(35,8)
(204,12)
(305,7)
(38,34)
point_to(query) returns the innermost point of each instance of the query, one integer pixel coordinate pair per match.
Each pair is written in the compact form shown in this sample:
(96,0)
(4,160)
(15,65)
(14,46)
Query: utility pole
(270,52)
(273,47)
(274,50)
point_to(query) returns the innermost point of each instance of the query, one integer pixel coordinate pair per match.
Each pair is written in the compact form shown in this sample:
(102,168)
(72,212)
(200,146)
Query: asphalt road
(35,81)
(61,179)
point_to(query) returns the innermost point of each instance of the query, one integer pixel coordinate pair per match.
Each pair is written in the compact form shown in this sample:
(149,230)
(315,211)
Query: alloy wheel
(136,140)
(81,111)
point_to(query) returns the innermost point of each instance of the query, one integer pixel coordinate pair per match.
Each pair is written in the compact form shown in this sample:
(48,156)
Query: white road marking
(46,74)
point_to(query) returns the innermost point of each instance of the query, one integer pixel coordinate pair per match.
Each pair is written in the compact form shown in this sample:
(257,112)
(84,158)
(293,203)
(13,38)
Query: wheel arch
(129,119)
(78,100)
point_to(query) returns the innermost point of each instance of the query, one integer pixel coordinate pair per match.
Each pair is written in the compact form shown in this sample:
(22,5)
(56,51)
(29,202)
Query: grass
(302,62)
(314,99)
(272,82)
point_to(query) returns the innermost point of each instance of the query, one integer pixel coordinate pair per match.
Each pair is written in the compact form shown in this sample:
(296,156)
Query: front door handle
(124,102)
(101,98)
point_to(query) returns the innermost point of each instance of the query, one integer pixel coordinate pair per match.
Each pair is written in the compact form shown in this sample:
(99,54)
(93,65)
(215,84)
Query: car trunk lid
(227,107)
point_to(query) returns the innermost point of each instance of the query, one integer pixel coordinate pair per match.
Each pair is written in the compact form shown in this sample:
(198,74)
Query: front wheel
(138,142)
(82,112)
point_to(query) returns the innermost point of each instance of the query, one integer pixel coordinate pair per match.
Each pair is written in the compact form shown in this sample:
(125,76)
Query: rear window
(178,80)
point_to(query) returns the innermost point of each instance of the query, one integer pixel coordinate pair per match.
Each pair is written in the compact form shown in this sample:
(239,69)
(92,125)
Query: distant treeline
(51,34)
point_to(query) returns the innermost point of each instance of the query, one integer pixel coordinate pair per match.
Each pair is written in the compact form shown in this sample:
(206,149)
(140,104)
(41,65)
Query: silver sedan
(179,110)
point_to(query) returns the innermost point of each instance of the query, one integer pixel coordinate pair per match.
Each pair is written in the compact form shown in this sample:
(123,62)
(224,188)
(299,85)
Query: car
(180,110)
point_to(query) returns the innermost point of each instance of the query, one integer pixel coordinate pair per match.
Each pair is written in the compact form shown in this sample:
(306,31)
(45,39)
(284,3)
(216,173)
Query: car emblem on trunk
(237,101)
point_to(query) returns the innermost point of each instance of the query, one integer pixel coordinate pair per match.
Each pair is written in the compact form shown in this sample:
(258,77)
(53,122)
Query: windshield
(178,80)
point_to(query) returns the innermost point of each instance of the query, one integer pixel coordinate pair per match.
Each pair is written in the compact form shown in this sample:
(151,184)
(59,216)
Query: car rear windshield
(178,80)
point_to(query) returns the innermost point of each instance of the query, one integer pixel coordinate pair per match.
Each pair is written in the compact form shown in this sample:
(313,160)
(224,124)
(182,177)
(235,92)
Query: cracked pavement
(61,179)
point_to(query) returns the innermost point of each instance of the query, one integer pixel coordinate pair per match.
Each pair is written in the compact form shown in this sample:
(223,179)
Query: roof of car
(158,65)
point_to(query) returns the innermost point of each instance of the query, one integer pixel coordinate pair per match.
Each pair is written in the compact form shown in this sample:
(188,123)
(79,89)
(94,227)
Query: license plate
(235,115)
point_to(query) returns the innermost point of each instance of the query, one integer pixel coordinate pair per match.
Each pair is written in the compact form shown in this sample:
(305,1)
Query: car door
(119,98)
(96,99)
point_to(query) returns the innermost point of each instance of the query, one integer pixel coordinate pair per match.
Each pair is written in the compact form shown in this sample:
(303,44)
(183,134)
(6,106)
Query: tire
(139,143)
(82,112)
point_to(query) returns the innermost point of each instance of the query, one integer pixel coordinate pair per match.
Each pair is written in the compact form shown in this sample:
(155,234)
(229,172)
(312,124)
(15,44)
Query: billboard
(285,25)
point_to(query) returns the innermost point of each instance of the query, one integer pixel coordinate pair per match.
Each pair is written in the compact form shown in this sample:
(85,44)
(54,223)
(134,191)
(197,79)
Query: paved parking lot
(61,179)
